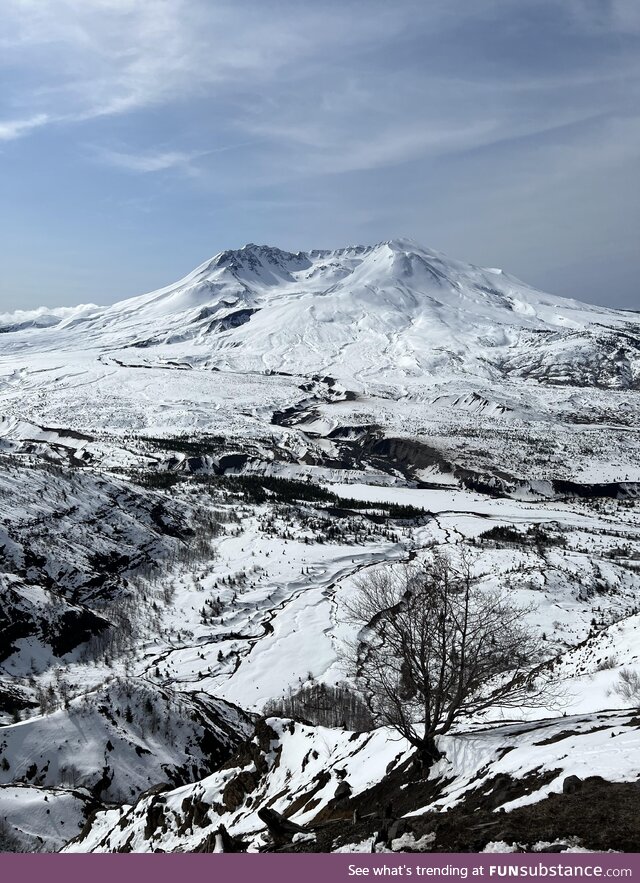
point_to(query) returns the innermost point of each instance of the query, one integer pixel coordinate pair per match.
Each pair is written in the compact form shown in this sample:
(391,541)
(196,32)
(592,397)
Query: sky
(140,137)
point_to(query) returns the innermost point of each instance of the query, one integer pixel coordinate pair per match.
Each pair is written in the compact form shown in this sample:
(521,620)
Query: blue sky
(139,137)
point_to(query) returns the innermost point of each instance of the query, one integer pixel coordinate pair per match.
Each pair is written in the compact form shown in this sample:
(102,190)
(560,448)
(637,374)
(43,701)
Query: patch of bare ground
(599,815)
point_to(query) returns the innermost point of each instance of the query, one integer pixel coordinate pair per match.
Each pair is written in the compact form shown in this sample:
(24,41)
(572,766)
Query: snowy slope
(34,819)
(121,740)
(296,770)
(70,543)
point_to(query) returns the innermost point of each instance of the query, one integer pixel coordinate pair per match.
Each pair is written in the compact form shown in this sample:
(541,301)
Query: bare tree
(628,686)
(434,647)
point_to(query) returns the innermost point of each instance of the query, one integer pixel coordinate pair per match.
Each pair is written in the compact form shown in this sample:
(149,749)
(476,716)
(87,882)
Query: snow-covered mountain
(314,357)
(389,312)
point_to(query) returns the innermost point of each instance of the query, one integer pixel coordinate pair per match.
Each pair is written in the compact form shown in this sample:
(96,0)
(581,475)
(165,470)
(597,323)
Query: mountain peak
(403,243)
(253,257)
(251,254)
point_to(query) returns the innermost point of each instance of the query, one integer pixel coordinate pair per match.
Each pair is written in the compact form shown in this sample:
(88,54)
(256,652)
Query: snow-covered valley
(192,485)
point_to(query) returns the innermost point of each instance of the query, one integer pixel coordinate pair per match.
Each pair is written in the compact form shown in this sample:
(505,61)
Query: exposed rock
(343,791)
(155,820)
(237,789)
(281,829)
(571,784)
(399,827)
(221,841)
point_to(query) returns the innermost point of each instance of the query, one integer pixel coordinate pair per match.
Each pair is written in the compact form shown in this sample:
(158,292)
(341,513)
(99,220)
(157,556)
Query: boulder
(571,784)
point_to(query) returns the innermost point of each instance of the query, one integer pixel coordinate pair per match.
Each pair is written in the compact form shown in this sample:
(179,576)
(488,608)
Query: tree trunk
(427,754)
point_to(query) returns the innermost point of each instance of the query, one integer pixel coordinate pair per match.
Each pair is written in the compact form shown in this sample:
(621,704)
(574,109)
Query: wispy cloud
(148,162)
(107,57)
(330,88)
(12,129)
(160,160)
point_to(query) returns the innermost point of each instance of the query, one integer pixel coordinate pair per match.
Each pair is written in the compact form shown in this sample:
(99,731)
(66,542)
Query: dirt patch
(601,815)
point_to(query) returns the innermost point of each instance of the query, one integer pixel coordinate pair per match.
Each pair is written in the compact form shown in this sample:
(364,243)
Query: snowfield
(193,481)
